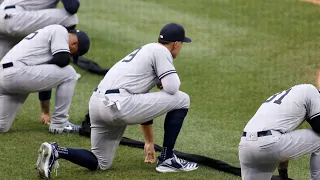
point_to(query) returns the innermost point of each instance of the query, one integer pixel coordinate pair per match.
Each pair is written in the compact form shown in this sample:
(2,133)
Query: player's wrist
(149,139)
(45,106)
(148,134)
(149,143)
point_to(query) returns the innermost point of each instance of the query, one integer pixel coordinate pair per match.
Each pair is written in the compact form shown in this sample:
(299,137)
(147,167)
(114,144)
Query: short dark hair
(72,31)
(163,42)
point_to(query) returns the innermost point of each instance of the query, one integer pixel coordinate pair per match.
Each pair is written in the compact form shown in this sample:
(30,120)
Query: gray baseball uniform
(135,75)
(260,151)
(27,16)
(29,72)
(33,4)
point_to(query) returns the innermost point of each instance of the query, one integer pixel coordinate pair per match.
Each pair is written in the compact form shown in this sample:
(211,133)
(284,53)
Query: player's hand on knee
(45,118)
(149,153)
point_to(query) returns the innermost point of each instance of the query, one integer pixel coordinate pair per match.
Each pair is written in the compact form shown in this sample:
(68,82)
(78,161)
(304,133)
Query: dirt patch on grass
(317,2)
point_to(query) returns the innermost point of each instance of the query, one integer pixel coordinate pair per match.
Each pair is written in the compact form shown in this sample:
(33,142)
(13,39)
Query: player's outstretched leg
(49,153)
(168,161)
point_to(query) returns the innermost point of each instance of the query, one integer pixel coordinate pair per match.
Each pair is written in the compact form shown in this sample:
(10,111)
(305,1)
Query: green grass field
(242,52)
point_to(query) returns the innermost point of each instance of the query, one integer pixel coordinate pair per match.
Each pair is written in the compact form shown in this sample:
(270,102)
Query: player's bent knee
(70,69)
(70,21)
(185,99)
(72,74)
(103,162)
(4,128)
(104,166)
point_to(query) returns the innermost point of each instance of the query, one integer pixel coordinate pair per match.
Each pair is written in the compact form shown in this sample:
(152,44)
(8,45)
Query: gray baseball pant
(260,156)
(108,123)
(18,81)
(22,22)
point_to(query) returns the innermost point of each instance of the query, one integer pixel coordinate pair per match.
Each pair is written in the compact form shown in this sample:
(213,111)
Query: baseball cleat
(47,158)
(69,128)
(175,164)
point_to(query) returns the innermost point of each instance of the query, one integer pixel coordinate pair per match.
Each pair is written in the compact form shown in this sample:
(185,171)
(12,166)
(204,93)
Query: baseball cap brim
(186,39)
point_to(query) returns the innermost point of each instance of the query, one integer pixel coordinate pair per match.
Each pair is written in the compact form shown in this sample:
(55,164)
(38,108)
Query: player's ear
(175,44)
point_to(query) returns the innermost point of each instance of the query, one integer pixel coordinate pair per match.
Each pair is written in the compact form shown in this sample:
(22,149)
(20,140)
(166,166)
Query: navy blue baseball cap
(173,32)
(84,44)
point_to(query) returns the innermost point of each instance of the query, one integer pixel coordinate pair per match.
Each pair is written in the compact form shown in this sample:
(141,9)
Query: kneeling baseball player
(19,18)
(271,137)
(122,98)
(39,63)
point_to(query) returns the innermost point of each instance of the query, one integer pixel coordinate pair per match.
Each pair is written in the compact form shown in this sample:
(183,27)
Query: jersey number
(31,36)
(279,100)
(131,56)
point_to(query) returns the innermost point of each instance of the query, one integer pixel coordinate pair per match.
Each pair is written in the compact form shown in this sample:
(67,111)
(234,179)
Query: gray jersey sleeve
(163,63)
(313,102)
(59,40)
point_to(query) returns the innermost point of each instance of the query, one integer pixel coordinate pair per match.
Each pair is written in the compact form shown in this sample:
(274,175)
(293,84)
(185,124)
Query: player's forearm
(147,131)
(61,59)
(171,83)
(45,106)
(44,97)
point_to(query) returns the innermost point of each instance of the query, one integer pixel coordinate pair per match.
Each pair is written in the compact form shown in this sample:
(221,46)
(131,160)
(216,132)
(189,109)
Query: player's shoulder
(156,47)
(305,90)
(307,87)
(157,50)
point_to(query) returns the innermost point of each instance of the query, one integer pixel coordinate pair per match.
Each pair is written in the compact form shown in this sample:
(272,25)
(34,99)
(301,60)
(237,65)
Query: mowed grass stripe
(139,22)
